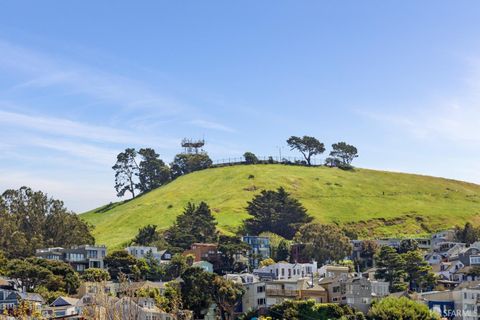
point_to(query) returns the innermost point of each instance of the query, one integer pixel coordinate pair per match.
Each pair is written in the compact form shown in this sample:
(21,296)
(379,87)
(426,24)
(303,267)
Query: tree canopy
(401,308)
(307,146)
(342,154)
(184,163)
(250,158)
(153,172)
(132,175)
(33,220)
(126,173)
(324,242)
(277,212)
(36,272)
(195,224)
(95,275)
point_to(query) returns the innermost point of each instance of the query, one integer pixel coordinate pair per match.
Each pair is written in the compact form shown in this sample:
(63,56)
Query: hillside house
(203,251)
(79,257)
(259,249)
(285,270)
(139,252)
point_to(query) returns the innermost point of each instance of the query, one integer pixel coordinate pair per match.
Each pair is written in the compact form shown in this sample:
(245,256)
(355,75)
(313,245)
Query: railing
(281,292)
(269,160)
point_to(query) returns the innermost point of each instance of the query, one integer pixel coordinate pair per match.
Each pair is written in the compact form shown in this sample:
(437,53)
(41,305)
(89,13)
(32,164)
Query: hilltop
(373,203)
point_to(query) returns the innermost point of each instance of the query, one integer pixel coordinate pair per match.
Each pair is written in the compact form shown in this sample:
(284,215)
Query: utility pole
(279,153)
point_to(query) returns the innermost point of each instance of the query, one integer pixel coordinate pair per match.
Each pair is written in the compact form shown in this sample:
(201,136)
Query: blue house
(259,249)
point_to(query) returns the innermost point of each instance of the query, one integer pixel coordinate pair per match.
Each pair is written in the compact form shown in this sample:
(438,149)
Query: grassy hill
(374,203)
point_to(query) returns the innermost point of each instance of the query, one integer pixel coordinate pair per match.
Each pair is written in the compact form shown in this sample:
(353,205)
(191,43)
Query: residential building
(254,297)
(331,271)
(462,302)
(357,292)
(143,308)
(285,270)
(259,249)
(12,299)
(7,287)
(108,287)
(442,236)
(433,258)
(278,291)
(62,307)
(203,251)
(79,257)
(140,252)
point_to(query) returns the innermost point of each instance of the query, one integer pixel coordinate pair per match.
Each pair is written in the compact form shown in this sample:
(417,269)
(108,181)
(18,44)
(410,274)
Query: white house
(140,252)
(330,271)
(141,308)
(285,270)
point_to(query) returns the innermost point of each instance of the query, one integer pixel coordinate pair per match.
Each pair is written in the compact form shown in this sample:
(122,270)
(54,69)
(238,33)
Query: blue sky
(82,80)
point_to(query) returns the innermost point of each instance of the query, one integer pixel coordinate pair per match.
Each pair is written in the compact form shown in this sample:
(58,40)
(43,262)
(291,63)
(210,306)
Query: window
(80,267)
(92,254)
(260,289)
(261,301)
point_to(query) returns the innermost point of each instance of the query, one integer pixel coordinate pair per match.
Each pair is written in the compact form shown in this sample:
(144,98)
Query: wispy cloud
(211,125)
(65,127)
(45,71)
(453,117)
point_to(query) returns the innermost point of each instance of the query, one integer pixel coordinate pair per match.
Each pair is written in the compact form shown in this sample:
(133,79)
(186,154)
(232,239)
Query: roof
(199,244)
(4,283)
(146,284)
(465,270)
(64,301)
(339,268)
(30,296)
(468,285)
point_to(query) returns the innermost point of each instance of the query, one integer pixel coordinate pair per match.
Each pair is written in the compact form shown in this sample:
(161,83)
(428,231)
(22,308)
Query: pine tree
(196,224)
(277,212)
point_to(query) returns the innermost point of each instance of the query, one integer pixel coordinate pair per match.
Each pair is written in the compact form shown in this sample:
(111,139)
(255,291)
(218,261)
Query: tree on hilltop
(307,146)
(250,158)
(184,163)
(342,155)
(153,172)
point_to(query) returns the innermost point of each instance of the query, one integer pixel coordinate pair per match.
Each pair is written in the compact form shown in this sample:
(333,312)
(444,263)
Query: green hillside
(374,203)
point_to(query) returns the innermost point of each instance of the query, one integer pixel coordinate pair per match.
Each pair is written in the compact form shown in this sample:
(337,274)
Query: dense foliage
(309,309)
(307,146)
(324,243)
(120,262)
(468,234)
(95,275)
(250,158)
(33,220)
(402,271)
(277,212)
(131,175)
(35,272)
(401,308)
(342,155)
(196,224)
(199,289)
(184,163)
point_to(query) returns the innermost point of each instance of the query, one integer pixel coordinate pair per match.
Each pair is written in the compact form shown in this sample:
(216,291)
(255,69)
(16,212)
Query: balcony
(281,293)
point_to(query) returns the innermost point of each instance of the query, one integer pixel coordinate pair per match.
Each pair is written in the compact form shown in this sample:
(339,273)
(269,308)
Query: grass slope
(374,203)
